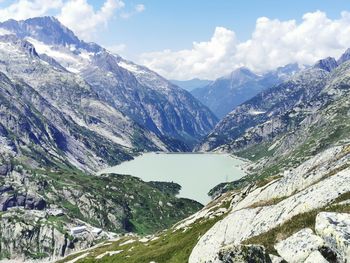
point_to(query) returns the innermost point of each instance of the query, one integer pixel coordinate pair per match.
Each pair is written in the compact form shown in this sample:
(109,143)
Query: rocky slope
(136,91)
(302,216)
(226,93)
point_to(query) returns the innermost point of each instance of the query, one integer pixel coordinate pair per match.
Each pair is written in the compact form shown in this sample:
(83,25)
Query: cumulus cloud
(273,43)
(23,9)
(81,17)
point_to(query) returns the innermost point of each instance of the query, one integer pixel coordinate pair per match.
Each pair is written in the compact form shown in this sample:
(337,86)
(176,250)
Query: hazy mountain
(191,84)
(226,93)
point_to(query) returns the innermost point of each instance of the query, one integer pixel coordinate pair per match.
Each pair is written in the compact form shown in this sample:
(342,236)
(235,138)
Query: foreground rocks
(334,228)
(242,254)
(299,246)
(313,186)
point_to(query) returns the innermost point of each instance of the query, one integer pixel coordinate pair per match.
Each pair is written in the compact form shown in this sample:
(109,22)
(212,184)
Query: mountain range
(227,92)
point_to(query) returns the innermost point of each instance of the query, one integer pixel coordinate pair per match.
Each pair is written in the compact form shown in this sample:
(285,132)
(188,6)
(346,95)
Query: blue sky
(202,38)
(176,24)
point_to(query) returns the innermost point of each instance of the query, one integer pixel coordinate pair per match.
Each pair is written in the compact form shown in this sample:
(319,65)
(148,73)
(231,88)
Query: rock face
(334,228)
(243,254)
(298,247)
(27,201)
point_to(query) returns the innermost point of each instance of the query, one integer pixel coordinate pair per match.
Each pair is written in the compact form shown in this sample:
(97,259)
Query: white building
(77,230)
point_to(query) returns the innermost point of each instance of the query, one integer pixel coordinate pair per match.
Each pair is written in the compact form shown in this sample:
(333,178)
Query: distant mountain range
(226,93)
(297,104)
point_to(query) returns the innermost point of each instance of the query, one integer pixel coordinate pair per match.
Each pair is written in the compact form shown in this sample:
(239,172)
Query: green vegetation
(119,203)
(171,247)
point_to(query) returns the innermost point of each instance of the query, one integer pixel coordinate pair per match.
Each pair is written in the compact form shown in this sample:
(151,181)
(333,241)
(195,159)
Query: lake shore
(197,173)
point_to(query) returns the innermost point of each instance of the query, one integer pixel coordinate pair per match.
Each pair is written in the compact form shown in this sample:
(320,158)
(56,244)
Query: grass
(171,247)
(272,201)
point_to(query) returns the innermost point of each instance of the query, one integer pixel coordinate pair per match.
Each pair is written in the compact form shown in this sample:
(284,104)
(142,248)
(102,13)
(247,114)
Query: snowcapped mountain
(226,93)
(136,91)
(86,127)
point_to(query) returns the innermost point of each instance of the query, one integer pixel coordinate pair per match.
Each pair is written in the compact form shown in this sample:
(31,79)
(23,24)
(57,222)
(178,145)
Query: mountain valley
(70,109)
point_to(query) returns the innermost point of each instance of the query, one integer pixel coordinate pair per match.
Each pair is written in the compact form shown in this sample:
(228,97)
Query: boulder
(243,254)
(334,228)
(299,246)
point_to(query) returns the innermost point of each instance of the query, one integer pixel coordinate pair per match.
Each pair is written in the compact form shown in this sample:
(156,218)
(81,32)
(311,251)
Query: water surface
(196,173)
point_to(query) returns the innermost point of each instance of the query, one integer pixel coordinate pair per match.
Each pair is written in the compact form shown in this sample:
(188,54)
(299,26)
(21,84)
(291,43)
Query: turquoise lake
(196,173)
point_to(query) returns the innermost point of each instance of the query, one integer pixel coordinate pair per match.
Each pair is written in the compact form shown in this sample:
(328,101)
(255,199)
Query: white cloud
(81,17)
(139,8)
(23,9)
(273,43)
(78,15)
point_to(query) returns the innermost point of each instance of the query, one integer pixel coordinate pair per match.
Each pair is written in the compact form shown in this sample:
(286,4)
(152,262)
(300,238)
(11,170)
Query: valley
(105,160)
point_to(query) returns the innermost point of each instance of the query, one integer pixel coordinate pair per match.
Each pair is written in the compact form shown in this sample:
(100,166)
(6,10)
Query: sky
(184,39)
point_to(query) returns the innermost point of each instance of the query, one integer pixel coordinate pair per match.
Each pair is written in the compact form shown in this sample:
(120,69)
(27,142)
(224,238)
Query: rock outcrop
(334,228)
(243,254)
(299,246)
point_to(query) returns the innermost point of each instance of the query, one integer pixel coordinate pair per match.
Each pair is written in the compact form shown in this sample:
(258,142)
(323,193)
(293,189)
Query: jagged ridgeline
(68,109)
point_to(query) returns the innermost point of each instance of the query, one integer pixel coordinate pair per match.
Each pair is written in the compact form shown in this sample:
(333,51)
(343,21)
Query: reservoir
(197,173)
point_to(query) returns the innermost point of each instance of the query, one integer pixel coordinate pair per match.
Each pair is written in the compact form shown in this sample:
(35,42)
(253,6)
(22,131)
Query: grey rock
(334,228)
(243,254)
(299,246)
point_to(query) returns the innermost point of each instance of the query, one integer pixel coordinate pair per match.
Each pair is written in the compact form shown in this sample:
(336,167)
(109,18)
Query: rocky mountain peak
(48,30)
(242,74)
(327,64)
